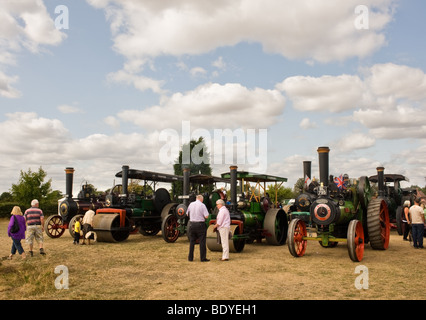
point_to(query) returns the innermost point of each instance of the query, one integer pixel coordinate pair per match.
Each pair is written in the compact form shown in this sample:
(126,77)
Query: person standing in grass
(417,224)
(77,230)
(19,235)
(223,224)
(35,222)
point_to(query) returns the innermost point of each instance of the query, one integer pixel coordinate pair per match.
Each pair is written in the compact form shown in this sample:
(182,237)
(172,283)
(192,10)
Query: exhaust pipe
(381,181)
(323,165)
(185,191)
(124,181)
(307,169)
(233,187)
(69,175)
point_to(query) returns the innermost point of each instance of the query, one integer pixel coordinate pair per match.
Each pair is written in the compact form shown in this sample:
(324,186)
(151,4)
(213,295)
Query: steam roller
(253,217)
(236,242)
(111,225)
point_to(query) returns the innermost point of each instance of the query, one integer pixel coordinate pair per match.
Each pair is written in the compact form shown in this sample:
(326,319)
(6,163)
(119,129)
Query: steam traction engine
(389,189)
(70,208)
(125,212)
(253,217)
(349,215)
(177,223)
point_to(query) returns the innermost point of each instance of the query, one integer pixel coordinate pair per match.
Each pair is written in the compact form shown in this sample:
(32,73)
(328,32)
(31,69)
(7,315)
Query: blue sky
(99,94)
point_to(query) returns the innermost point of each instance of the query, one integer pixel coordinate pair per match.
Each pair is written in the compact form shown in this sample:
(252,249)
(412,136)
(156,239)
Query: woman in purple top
(18,236)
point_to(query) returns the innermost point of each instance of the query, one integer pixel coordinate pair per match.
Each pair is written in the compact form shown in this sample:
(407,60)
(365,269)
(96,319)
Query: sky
(97,84)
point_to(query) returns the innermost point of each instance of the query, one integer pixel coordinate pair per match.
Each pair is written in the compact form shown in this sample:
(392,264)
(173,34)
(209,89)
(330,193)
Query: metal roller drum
(107,228)
(235,245)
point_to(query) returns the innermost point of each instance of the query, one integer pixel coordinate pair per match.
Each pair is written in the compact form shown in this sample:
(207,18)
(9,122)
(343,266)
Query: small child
(77,229)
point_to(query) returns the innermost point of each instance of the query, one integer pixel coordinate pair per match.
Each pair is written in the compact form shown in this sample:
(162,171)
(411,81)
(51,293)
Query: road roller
(125,212)
(253,217)
(70,208)
(177,223)
(340,213)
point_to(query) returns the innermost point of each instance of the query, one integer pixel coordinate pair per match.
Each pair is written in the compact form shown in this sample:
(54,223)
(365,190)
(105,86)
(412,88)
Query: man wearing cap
(223,224)
(35,226)
(198,213)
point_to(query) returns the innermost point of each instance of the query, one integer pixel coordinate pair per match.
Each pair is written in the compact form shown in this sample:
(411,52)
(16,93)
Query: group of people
(414,220)
(197,212)
(28,226)
(84,227)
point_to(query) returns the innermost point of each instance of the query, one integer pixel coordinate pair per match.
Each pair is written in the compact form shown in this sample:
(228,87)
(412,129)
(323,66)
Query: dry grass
(150,269)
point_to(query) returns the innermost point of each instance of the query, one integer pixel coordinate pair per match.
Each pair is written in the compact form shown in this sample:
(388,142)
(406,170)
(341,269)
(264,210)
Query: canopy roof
(151,176)
(206,179)
(390,178)
(255,177)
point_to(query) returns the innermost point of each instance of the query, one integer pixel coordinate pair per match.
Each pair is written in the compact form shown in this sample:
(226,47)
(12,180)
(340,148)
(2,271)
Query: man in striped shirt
(35,226)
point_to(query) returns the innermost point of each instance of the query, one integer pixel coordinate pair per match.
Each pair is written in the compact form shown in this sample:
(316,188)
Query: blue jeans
(16,245)
(417,231)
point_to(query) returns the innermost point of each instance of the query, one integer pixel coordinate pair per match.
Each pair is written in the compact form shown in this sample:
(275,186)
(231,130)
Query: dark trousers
(197,230)
(16,246)
(76,237)
(417,231)
(406,230)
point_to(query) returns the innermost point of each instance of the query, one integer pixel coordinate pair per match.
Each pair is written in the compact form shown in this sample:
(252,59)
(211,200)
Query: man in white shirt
(198,213)
(417,224)
(223,224)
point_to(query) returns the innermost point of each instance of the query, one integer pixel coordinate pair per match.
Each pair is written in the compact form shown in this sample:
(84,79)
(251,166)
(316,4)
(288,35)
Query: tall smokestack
(323,164)
(381,181)
(233,187)
(124,180)
(69,175)
(186,173)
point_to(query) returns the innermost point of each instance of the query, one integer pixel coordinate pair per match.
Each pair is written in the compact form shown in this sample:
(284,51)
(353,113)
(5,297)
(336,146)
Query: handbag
(15,227)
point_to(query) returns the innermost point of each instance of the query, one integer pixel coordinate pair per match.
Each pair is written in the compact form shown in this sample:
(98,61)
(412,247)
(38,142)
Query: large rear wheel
(276,225)
(378,224)
(54,226)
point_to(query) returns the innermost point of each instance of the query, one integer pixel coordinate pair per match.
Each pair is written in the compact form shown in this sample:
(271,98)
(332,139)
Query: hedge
(6,209)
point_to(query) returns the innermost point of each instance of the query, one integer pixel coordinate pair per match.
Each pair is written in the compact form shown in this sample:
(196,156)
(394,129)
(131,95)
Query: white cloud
(321,31)
(398,81)
(24,24)
(67,109)
(354,141)
(219,63)
(141,83)
(326,93)
(6,90)
(198,72)
(212,106)
(306,123)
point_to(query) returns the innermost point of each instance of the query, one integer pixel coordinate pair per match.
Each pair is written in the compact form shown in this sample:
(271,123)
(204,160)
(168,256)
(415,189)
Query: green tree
(283,193)
(31,186)
(199,149)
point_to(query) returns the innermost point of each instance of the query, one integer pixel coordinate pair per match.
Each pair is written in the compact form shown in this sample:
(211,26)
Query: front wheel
(355,241)
(296,243)
(169,228)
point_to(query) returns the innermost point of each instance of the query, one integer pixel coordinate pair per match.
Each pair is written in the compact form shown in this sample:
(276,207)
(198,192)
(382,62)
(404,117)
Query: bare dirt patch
(148,268)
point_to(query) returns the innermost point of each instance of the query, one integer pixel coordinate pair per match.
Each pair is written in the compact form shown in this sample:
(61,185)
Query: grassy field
(148,268)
